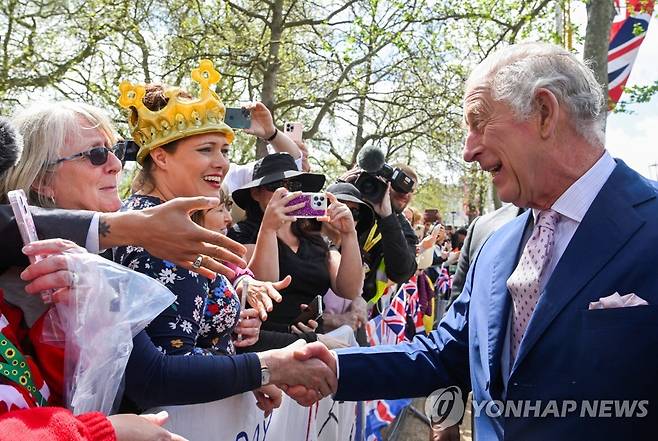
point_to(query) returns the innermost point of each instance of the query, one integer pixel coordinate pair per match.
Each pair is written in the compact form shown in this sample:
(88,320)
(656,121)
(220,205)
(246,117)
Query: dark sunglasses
(355,213)
(289,184)
(97,155)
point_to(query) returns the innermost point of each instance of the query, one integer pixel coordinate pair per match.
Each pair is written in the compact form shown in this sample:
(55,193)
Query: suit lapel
(499,301)
(607,226)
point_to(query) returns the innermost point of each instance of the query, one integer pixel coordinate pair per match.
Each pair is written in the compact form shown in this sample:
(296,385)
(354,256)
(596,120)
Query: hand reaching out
(268,398)
(260,294)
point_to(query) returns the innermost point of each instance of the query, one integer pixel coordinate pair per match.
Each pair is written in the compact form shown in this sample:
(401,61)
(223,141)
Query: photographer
(389,249)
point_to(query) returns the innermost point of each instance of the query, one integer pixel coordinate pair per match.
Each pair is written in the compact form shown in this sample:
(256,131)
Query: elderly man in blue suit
(546,358)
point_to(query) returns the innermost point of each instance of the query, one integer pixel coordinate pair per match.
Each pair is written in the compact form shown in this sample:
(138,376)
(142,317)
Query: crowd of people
(257,267)
(232,243)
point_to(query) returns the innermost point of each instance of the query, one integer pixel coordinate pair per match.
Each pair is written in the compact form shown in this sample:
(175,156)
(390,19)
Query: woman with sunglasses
(279,245)
(69,159)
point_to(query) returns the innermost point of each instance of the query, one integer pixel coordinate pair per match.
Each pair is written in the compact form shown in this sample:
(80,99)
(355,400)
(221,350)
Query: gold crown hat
(180,118)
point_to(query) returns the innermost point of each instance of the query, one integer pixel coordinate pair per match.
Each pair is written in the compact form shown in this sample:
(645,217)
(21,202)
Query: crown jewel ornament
(180,118)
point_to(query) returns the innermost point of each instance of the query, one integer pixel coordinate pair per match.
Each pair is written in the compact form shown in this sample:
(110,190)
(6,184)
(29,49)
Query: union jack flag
(395,315)
(443,283)
(628,30)
(381,413)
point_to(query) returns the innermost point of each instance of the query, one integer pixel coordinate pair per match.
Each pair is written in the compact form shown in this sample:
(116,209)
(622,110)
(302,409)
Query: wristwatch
(264,375)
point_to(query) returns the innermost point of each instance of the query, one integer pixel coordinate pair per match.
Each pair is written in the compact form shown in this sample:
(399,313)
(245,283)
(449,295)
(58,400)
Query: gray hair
(46,128)
(513,75)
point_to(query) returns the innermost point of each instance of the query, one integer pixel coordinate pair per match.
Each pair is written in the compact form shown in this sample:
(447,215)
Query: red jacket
(46,363)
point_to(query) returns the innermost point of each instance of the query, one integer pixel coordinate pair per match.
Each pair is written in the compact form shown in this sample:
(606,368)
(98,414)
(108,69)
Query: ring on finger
(197,262)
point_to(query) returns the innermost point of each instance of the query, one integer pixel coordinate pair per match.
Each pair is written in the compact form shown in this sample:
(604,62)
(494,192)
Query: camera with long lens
(373,182)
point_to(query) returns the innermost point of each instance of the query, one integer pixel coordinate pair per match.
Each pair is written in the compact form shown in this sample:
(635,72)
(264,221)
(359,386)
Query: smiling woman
(69,159)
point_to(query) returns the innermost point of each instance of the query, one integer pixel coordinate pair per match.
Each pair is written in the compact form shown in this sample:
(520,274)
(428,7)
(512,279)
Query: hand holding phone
(238,118)
(28,231)
(315,205)
(312,312)
(294,130)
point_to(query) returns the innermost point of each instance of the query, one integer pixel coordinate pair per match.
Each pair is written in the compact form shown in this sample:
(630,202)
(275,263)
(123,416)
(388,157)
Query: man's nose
(471,147)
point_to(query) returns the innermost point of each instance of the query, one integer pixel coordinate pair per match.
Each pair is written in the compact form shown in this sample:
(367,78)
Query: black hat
(346,192)
(272,168)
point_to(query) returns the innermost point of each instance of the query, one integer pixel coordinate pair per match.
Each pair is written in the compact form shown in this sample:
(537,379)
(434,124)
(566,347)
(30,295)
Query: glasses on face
(288,184)
(97,155)
(355,212)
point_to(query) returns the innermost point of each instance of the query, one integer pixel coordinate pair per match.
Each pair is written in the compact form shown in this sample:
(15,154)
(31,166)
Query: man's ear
(159,157)
(548,110)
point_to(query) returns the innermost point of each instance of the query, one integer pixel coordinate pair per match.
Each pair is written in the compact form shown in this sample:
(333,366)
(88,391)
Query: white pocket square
(617,301)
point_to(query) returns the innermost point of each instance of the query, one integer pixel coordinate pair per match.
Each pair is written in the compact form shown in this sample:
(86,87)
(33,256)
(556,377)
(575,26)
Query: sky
(634,137)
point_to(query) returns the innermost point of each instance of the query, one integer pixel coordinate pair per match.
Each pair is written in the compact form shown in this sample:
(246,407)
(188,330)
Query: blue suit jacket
(568,353)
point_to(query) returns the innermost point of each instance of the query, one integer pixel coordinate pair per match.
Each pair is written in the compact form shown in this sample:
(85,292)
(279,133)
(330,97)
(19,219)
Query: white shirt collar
(576,200)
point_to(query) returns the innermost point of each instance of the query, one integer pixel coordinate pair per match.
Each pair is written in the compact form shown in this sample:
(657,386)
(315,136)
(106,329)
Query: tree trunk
(599,19)
(271,67)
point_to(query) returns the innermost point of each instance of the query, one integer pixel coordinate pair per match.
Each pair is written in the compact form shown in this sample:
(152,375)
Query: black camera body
(372,182)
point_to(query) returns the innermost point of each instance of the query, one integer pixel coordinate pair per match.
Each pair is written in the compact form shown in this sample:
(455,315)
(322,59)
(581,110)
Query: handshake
(305,372)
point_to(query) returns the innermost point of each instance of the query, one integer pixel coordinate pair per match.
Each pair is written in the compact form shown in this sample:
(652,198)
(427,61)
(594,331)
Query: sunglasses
(355,212)
(288,184)
(97,155)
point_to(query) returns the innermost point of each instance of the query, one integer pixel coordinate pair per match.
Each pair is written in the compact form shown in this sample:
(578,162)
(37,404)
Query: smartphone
(293,130)
(24,220)
(238,118)
(28,231)
(315,205)
(312,312)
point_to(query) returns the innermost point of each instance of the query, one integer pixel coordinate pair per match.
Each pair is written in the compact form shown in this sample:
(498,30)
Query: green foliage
(385,73)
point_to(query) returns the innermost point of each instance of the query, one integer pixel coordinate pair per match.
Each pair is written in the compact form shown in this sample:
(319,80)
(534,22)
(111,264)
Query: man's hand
(268,398)
(305,393)
(166,231)
(52,272)
(308,371)
(260,294)
(383,208)
(130,427)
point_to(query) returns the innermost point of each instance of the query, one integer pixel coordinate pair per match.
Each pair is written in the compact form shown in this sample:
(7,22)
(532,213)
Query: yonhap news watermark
(445,407)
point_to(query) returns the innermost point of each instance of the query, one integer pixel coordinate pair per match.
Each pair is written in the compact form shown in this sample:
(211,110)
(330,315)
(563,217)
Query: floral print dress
(202,318)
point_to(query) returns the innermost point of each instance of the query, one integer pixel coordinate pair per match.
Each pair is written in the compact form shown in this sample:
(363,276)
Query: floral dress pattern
(202,318)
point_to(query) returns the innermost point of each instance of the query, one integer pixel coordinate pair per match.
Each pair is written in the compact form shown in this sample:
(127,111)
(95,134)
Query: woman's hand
(51,273)
(248,328)
(301,328)
(276,213)
(262,124)
(147,427)
(260,294)
(438,233)
(268,398)
(339,216)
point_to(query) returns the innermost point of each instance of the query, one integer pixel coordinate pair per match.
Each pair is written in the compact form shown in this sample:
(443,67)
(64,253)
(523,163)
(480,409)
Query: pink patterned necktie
(523,284)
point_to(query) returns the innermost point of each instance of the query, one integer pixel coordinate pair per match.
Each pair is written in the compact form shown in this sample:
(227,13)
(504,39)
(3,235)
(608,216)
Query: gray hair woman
(69,159)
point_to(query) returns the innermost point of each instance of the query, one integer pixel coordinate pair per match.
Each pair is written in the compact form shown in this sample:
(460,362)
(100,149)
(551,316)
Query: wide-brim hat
(346,192)
(272,168)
